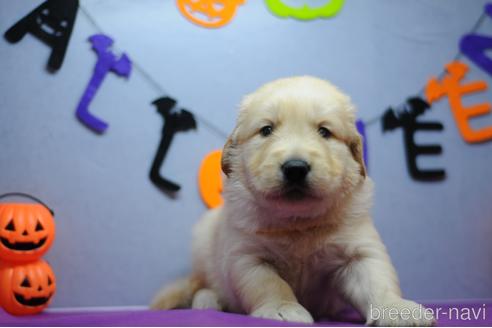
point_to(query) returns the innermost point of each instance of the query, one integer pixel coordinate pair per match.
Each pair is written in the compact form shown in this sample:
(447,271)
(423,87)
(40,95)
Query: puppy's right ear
(229,151)
(357,149)
(226,159)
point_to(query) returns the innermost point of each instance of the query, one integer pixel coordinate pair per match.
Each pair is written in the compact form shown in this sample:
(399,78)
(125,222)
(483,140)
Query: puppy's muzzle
(295,172)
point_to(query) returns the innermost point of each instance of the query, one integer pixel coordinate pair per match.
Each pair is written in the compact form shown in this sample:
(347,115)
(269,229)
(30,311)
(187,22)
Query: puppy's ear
(356,148)
(227,156)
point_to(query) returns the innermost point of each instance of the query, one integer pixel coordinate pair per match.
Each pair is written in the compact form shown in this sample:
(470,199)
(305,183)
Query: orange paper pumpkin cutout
(209,13)
(26,232)
(450,86)
(210,179)
(26,288)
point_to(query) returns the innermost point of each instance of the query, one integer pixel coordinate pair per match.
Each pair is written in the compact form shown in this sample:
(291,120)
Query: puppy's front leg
(369,282)
(263,293)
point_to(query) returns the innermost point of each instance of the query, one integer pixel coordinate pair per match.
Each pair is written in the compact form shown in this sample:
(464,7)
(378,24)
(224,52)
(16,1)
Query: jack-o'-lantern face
(26,232)
(26,288)
(209,13)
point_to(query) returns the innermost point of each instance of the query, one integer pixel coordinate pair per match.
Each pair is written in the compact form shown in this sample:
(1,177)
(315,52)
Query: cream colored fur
(276,258)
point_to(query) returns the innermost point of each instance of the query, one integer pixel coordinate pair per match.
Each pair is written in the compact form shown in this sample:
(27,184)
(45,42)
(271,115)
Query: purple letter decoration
(474,46)
(106,62)
(361,127)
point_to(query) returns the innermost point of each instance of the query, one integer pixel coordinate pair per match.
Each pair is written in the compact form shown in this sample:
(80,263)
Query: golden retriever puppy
(294,239)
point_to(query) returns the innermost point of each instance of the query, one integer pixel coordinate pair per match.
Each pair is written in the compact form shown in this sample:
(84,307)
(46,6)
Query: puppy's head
(295,147)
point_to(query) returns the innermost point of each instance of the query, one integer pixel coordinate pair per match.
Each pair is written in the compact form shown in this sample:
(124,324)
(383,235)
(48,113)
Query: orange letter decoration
(210,179)
(451,86)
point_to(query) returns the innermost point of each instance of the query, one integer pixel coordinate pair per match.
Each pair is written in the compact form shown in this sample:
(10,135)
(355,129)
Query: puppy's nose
(295,170)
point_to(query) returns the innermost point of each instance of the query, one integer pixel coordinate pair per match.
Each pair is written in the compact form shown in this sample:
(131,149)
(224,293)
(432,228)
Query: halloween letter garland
(174,122)
(474,47)
(106,62)
(51,22)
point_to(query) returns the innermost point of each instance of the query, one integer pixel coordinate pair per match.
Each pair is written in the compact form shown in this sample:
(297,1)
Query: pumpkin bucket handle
(21,194)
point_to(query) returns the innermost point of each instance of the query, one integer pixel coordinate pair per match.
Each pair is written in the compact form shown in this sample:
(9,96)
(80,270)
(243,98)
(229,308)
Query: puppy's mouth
(293,194)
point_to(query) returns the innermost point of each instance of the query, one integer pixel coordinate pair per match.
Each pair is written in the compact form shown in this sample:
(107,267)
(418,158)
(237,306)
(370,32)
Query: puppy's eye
(266,130)
(324,132)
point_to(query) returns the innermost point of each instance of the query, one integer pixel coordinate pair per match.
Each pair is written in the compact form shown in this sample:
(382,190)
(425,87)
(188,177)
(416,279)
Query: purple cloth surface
(214,318)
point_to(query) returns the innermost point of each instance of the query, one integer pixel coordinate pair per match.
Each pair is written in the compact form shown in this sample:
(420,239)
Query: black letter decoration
(406,118)
(51,22)
(174,122)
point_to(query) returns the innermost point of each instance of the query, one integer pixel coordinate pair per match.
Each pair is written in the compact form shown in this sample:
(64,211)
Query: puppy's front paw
(400,313)
(206,299)
(285,311)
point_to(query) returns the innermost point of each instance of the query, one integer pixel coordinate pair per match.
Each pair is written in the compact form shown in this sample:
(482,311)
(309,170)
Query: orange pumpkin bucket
(26,288)
(27,231)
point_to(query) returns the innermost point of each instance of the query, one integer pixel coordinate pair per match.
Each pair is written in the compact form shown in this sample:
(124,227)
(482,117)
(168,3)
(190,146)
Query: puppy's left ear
(356,148)
(226,158)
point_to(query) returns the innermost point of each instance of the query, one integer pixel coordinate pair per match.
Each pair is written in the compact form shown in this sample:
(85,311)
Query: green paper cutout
(330,9)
